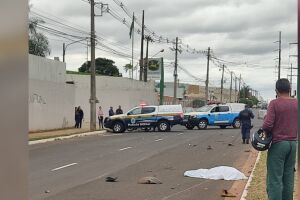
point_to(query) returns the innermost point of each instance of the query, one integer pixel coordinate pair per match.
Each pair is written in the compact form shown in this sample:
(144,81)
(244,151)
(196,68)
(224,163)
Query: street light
(158,53)
(65,47)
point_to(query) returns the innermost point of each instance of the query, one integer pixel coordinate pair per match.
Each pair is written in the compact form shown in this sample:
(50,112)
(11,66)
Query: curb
(245,192)
(65,137)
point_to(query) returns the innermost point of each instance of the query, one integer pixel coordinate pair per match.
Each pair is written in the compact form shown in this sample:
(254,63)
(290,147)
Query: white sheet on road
(217,173)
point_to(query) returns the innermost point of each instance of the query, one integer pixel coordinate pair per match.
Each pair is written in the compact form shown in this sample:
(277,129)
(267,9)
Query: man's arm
(270,118)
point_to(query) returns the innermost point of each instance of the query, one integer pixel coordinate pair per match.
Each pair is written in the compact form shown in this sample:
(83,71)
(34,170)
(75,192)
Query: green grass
(257,188)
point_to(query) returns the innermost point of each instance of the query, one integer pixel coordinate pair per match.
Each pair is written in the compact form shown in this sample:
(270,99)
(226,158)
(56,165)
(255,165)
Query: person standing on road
(245,117)
(119,111)
(281,121)
(81,115)
(111,111)
(100,117)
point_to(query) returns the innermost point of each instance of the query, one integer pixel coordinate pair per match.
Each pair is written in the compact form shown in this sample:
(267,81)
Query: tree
(103,66)
(127,67)
(245,92)
(38,42)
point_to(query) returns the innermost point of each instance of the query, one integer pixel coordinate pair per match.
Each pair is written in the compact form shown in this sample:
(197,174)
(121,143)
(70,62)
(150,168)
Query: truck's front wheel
(189,126)
(202,124)
(118,127)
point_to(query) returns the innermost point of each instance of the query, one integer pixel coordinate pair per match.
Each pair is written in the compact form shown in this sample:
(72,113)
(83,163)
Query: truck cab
(221,115)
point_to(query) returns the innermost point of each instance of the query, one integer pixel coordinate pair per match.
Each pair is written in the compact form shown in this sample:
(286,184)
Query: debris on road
(149,180)
(217,173)
(225,193)
(209,147)
(47,191)
(111,179)
(230,144)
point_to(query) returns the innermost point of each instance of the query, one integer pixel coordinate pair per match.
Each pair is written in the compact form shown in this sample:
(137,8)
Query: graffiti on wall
(36,98)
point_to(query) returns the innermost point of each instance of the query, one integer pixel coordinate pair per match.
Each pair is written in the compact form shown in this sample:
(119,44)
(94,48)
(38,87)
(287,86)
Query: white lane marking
(125,148)
(69,165)
(180,134)
(158,140)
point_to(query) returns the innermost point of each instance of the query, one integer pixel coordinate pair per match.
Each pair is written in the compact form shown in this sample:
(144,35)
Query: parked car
(221,115)
(162,117)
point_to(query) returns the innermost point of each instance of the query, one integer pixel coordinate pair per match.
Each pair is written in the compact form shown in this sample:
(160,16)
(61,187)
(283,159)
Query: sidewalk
(39,135)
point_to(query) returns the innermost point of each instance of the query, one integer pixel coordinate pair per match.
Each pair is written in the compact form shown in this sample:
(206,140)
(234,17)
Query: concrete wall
(51,100)
(112,91)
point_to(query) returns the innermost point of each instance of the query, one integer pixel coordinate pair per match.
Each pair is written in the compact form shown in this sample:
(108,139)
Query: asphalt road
(76,168)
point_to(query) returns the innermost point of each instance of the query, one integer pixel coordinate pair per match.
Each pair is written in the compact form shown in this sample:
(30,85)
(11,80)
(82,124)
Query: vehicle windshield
(204,109)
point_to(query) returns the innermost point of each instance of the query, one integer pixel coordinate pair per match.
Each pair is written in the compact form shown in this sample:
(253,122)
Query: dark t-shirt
(245,116)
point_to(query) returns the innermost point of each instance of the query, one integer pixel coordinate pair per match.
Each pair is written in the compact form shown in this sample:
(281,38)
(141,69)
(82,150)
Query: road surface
(76,168)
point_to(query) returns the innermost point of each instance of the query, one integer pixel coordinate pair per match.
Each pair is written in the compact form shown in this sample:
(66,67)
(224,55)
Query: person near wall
(81,115)
(119,111)
(245,117)
(111,111)
(77,117)
(100,117)
(282,122)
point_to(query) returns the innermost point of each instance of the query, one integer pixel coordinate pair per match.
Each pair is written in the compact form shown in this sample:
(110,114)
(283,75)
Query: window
(223,109)
(147,110)
(136,111)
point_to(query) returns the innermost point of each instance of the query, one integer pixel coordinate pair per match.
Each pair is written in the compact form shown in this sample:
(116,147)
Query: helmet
(261,140)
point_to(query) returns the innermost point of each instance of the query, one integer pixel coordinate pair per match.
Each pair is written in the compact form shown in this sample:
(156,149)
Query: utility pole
(93,70)
(175,72)
(240,79)
(222,81)
(64,51)
(207,74)
(235,89)
(230,92)
(148,38)
(279,52)
(244,90)
(132,46)
(142,50)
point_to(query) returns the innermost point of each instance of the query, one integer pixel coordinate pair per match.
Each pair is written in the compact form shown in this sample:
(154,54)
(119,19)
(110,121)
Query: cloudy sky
(241,32)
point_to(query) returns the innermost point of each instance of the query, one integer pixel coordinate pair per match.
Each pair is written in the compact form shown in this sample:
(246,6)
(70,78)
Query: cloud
(239,31)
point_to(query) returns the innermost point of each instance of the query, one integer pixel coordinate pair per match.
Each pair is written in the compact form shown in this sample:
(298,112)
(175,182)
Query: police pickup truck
(146,117)
(221,115)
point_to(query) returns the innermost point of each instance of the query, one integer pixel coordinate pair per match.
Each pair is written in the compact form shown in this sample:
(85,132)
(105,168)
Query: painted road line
(158,140)
(125,148)
(69,165)
(180,134)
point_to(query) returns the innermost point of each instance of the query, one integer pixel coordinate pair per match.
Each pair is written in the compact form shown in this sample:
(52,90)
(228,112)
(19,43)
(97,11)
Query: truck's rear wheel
(163,126)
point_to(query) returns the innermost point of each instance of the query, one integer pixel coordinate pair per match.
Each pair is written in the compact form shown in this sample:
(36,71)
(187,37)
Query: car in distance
(162,117)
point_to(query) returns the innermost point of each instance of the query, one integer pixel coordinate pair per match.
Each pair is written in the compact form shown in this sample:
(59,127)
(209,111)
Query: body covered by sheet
(217,173)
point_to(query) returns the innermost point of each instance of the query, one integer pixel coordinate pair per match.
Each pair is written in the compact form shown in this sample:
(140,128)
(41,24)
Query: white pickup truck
(221,115)
(163,117)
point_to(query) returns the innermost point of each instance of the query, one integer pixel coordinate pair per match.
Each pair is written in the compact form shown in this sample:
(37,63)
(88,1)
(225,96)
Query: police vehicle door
(133,117)
(148,116)
(224,115)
